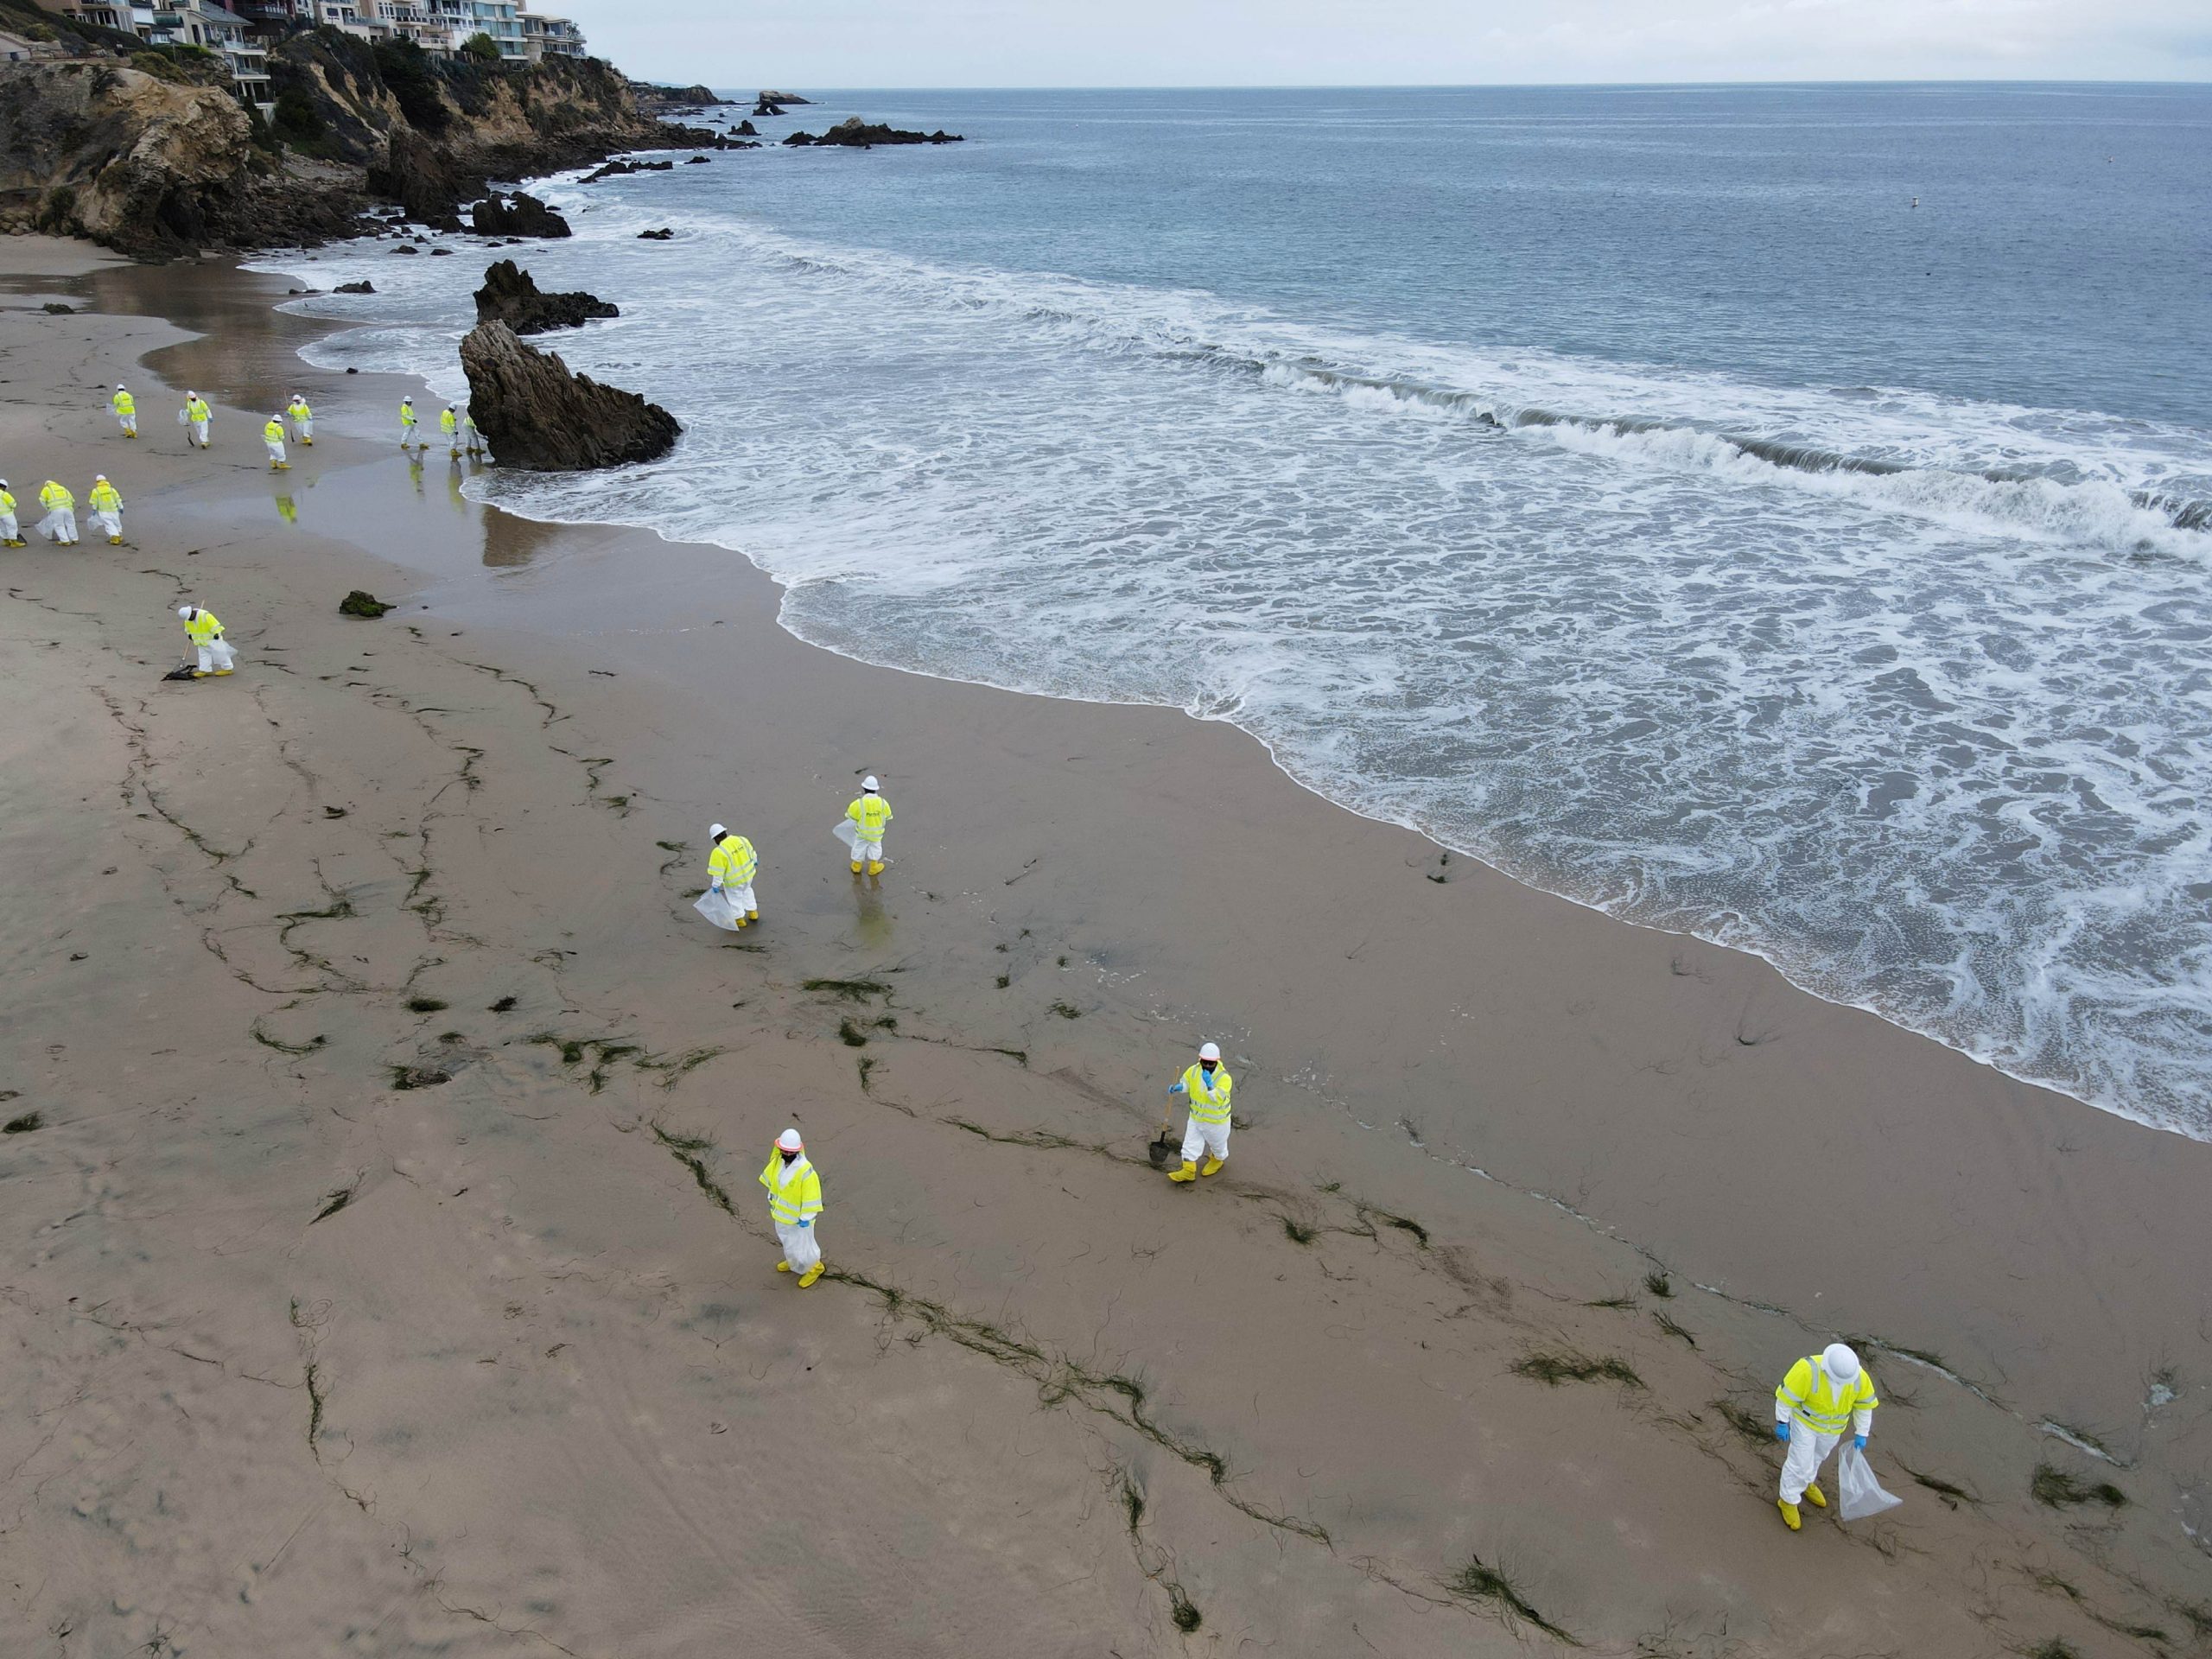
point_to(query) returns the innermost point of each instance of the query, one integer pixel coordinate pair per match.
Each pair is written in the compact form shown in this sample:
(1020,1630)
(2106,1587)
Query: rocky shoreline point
(855,133)
(152,156)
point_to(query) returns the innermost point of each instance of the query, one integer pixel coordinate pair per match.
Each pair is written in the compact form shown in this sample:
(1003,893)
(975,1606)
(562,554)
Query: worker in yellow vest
(1207,1084)
(60,525)
(449,428)
(303,419)
(195,417)
(11,533)
(794,1201)
(869,815)
(407,422)
(273,435)
(470,435)
(1824,1394)
(205,630)
(126,410)
(730,869)
(106,503)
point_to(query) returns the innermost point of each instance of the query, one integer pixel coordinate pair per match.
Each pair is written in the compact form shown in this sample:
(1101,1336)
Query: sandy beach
(386,1272)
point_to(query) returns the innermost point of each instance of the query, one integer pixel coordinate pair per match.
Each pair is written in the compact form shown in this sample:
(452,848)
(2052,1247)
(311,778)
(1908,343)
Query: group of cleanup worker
(1823,1399)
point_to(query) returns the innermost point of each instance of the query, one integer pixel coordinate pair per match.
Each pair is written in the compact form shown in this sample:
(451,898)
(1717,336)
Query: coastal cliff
(156,159)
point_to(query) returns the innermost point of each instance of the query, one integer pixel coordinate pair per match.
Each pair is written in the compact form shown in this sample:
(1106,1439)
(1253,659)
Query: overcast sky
(894,43)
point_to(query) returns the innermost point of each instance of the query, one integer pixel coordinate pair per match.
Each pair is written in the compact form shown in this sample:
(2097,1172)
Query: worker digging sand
(1207,1084)
(794,1201)
(1823,1395)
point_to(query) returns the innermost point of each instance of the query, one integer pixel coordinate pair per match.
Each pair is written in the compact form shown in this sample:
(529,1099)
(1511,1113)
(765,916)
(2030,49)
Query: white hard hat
(869,783)
(789,1141)
(1209,1051)
(99,478)
(718,830)
(118,385)
(184,611)
(1840,1362)
(407,400)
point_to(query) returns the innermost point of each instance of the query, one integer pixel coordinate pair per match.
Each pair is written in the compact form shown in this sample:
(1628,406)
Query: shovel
(1161,1150)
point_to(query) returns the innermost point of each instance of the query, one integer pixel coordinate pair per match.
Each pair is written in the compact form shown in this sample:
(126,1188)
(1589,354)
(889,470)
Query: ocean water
(1633,488)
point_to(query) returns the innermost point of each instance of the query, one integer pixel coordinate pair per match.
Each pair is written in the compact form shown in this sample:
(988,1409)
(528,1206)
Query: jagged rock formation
(746,130)
(784,97)
(856,134)
(516,215)
(510,295)
(538,416)
(355,288)
(660,99)
(618,167)
(663,234)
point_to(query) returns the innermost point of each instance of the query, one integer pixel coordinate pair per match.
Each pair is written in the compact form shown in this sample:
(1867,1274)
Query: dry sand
(299,1361)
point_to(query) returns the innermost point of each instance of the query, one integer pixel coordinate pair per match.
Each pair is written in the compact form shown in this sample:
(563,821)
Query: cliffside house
(204,23)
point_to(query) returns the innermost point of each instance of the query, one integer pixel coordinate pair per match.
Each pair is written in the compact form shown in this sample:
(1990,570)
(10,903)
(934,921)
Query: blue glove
(1782,1432)
(806,1222)
(1858,1440)
(1175,1087)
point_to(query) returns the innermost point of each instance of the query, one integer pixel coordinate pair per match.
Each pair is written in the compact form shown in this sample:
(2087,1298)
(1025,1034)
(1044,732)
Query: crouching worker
(205,630)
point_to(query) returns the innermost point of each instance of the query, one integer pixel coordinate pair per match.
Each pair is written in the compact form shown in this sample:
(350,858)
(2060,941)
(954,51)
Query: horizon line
(1483,85)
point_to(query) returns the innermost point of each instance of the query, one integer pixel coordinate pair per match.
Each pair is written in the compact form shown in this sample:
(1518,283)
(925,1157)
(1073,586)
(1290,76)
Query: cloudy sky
(894,43)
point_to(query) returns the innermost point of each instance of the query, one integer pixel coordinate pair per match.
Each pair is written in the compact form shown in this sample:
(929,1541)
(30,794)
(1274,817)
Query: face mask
(788,1156)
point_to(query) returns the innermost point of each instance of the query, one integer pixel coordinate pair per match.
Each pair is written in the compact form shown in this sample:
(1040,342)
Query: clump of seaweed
(1488,1588)
(1953,1496)
(851,990)
(2056,1489)
(1658,1284)
(1067,1011)
(24,1124)
(1554,1366)
(425,1004)
(1674,1330)
(1745,1423)
(851,1035)
(418,1077)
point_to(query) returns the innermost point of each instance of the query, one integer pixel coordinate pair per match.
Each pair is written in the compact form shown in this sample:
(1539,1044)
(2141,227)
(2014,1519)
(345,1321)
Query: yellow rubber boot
(1213,1166)
(876,869)
(1789,1516)
(740,923)
(810,1275)
(752,915)
(1816,1497)
(783,1266)
(1188,1173)
(856,866)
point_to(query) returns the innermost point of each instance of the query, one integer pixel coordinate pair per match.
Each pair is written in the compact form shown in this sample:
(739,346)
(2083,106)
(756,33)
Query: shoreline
(1829,976)
(1068,846)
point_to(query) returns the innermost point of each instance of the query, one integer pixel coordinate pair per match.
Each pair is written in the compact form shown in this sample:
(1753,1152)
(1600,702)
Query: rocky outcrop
(516,215)
(784,97)
(355,288)
(767,105)
(151,166)
(656,100)
(618,167)
(663,234)
(538,416)
(416,174)
(853,133)
(746,130)
(510,295)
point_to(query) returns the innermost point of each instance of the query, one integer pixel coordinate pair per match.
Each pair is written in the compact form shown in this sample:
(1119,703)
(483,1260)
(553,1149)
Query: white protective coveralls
(303,419)
(107,503)
(59,523)
(1815,1401)
(11,533)
(206,631)
(794,1202)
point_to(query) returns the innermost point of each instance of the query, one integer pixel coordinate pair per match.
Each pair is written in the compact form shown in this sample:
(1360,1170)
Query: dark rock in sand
(853,133)
(55,309)
(517,215)
(510,295)
(355,288)
(358,603)
(538,415)
(663,234)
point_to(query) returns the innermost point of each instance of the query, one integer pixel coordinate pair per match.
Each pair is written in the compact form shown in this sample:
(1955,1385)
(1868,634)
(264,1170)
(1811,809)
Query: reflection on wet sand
(511,543)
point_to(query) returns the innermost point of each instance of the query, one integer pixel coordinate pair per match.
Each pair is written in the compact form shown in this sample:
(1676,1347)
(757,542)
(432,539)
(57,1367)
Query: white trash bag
(714,904)
(847,831)
(1858,1495)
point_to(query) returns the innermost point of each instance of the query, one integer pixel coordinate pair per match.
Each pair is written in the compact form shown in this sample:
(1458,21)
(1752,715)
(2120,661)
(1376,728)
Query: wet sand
(534,1382)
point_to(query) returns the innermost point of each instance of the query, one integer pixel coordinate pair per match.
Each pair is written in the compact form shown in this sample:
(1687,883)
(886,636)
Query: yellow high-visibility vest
(447,424)
(203,627)
(7,502)
(407,414)
(298,410)
(274,431)
(1209,1099)
(199,410)
(1815,1400)
(871,813)
(734,860)
(124,403)
(794,1191)
(54,497)
(106,498)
